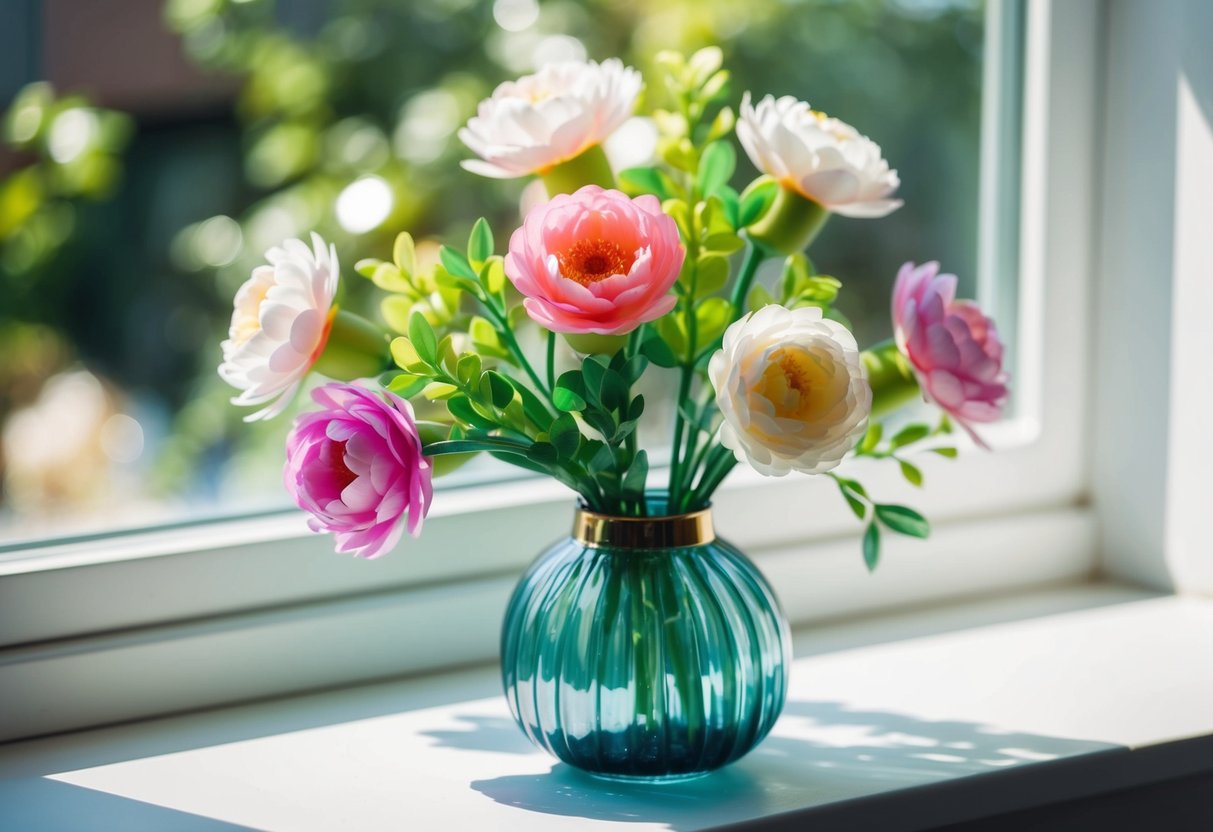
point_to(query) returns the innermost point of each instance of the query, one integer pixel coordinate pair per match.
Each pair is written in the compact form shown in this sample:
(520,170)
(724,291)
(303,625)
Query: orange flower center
(798,384)
(590,261)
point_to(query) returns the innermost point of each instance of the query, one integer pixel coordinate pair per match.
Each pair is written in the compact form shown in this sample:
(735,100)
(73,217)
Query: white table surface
(878,708)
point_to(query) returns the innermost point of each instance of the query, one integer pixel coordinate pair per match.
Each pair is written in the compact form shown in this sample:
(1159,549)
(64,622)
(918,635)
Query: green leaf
(646,180)
(500,391)
(854,485)
(858,507)
(912,473)
(532,405)
(566,400)
(602,460)
(871,439)
(448,281)
(756,200)
(636,477)
(480,243)
(406,357)
(680,212)
(461,408)
(871,547)
(593,372)
(903,520)
(909,434)
(565,436)
(366,267)
(716,166)
(950,453)
(463,446)
(633,368)
(712,317)
(602,422)
(712,275)
(492,275)
(388,278)
(658,351)
(759,297)
(468,369)
(485,339)
(722,123)
(396,310)
(406,385)
(572,383)
(544,453)
(725,242)
(422,336)
(404,253)
(439,390)
(614,391)
(455,263)
(636,408)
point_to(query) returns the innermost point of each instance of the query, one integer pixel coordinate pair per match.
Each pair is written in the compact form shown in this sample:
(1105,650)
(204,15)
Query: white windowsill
(1044,696)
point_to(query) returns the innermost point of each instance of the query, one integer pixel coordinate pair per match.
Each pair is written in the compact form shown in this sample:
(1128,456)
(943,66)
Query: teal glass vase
(645,648)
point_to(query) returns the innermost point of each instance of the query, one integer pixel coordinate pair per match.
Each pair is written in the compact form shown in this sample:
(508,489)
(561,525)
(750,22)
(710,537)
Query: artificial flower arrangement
(642,645)
(631,268)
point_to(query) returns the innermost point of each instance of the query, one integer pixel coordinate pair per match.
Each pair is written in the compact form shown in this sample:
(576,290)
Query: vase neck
(662,532)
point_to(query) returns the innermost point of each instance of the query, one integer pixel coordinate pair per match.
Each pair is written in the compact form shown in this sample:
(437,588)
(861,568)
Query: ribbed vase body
(654,664)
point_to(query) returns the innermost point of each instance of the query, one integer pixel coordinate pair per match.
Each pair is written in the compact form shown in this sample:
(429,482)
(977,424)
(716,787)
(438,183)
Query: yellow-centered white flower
(792,390)
(819,157)
(535,123)
(280,324)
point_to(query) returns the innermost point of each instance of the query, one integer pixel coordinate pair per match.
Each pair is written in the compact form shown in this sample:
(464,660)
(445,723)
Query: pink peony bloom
(952,346)
(357,468)
(596,262)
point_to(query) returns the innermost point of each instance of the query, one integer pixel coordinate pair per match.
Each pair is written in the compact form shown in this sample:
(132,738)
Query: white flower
(280,324)
(792,390)
(822,158)
(537,122)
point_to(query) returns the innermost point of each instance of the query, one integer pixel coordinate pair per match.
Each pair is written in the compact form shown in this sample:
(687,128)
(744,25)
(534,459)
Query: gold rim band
(605,531)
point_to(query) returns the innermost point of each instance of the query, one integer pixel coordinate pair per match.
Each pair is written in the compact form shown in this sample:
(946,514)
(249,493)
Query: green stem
(551,362)
(754,256)
(684,390)
(714,473)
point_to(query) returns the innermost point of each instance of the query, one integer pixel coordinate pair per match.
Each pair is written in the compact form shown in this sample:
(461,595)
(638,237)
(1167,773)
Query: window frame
(255,607)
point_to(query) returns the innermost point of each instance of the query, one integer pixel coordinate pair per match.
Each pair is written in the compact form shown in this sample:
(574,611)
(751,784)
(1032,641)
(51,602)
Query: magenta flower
(596,262)
(357,467)
(952,346)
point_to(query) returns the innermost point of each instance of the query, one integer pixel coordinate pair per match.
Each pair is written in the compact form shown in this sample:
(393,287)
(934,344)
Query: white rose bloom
(792,390)
(822,158)
(537,122)
(280,324)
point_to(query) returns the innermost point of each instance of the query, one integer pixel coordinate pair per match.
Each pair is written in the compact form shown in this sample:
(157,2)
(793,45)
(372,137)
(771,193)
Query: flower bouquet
(640,646)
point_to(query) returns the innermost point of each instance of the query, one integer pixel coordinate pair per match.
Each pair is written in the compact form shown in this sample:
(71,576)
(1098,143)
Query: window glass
(175,141)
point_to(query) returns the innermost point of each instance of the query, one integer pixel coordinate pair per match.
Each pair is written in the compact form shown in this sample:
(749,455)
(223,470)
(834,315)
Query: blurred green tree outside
(122,241)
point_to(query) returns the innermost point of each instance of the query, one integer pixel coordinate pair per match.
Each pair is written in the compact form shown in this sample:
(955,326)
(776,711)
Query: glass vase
(645,648)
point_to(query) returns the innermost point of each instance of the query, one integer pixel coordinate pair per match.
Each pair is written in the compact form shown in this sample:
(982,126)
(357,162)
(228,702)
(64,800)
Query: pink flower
(357,468)
(952,346)
(596,262)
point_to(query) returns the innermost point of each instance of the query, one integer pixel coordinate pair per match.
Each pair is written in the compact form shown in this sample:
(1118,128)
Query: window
(251,127)
(213,600)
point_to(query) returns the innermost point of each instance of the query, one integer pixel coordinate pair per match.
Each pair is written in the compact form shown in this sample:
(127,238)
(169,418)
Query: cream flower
(792,391)
(821,158)
(281,322)
(537,122)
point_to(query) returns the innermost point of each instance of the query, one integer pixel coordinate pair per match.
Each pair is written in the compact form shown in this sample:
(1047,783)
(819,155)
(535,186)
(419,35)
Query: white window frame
(139,624)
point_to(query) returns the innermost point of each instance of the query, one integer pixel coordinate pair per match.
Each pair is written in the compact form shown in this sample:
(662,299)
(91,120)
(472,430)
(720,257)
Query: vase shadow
(823,752)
